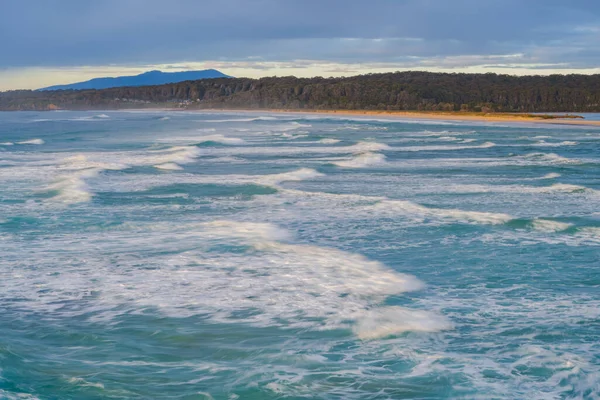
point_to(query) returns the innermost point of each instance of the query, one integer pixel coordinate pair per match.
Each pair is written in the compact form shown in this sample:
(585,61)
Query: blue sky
(44,42)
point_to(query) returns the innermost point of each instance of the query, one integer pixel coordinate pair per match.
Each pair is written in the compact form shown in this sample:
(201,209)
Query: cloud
(404,33)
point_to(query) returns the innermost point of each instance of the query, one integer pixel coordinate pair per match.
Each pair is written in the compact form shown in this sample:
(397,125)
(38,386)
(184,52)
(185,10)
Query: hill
(420,91)
(145,79)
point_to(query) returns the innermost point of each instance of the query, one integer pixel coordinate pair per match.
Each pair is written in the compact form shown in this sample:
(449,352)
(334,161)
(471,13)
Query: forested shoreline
(401,91)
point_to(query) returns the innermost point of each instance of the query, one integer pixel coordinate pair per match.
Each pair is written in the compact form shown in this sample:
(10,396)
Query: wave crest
(222,140)
(362,160)
(32,141)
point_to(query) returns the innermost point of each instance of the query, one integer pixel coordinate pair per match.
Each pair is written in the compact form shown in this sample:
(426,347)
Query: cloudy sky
(44,42)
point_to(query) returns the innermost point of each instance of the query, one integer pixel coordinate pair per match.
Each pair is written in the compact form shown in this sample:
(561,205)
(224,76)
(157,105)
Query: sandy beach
(431,115)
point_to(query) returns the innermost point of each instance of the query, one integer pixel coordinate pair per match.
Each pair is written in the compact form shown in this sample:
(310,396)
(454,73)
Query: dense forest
(392,91)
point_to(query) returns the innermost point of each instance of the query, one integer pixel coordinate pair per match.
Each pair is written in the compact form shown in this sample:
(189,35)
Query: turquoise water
(172,255)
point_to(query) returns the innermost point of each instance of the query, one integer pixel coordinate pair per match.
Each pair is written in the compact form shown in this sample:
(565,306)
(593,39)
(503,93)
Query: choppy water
(249,256)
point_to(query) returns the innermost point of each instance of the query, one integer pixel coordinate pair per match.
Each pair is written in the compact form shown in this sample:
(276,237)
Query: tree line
(410,91)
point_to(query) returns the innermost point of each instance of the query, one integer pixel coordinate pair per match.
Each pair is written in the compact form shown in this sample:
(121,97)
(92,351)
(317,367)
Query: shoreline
(423,115)
(574,120)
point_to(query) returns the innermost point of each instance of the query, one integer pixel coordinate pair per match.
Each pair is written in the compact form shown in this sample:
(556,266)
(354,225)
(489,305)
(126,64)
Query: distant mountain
(146,79)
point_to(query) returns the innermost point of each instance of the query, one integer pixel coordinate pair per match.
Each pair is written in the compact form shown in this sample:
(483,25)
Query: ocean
(224,255)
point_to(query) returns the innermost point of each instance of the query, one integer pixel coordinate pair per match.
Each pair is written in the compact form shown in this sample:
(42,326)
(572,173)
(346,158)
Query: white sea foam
(462,162)
(417,210)
(547,158)
(543,143)
(16,395)
(90,118)
(164,118)
(83,383)
(126,159)
(255,232)
(382,206)
(6,144)
(555,188)
(142,182)
(532,319)
(362,147)
(50,172)
(293,137)
(227,159)
(587,235)
(329,141)
(72,188)
(389,321)
(69,178)
(561,233)
(297,175)
(292,126)
(271,284)
(433,133)
(221,139)
(545,225)
(176,154)
(552,175)
(169,166)
(362,160)
(567,188)
(485,145)
(32,141)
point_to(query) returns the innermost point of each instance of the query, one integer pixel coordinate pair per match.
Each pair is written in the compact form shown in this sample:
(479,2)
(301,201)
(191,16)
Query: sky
(46,42)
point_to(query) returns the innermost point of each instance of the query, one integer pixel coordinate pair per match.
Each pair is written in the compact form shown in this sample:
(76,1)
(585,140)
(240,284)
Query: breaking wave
(68,176)
(362,160)
(292,126)
(222,140)
(32,141)
(329,141)
(548,158)
(176,154)
(545,225)
(92,118)
(72,188)
(374,206)
(69,185)
(468,217)
(273,283)
(293,176)
(555,188)
(362,147)
(543,143)
(240,119)
(169,166)
(485,145)
(552,175)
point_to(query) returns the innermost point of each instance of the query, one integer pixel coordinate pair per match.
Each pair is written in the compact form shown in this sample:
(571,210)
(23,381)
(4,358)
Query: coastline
(424,115)
(573,120)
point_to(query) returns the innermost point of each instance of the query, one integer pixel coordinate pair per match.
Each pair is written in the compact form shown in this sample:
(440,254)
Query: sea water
(188,255)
